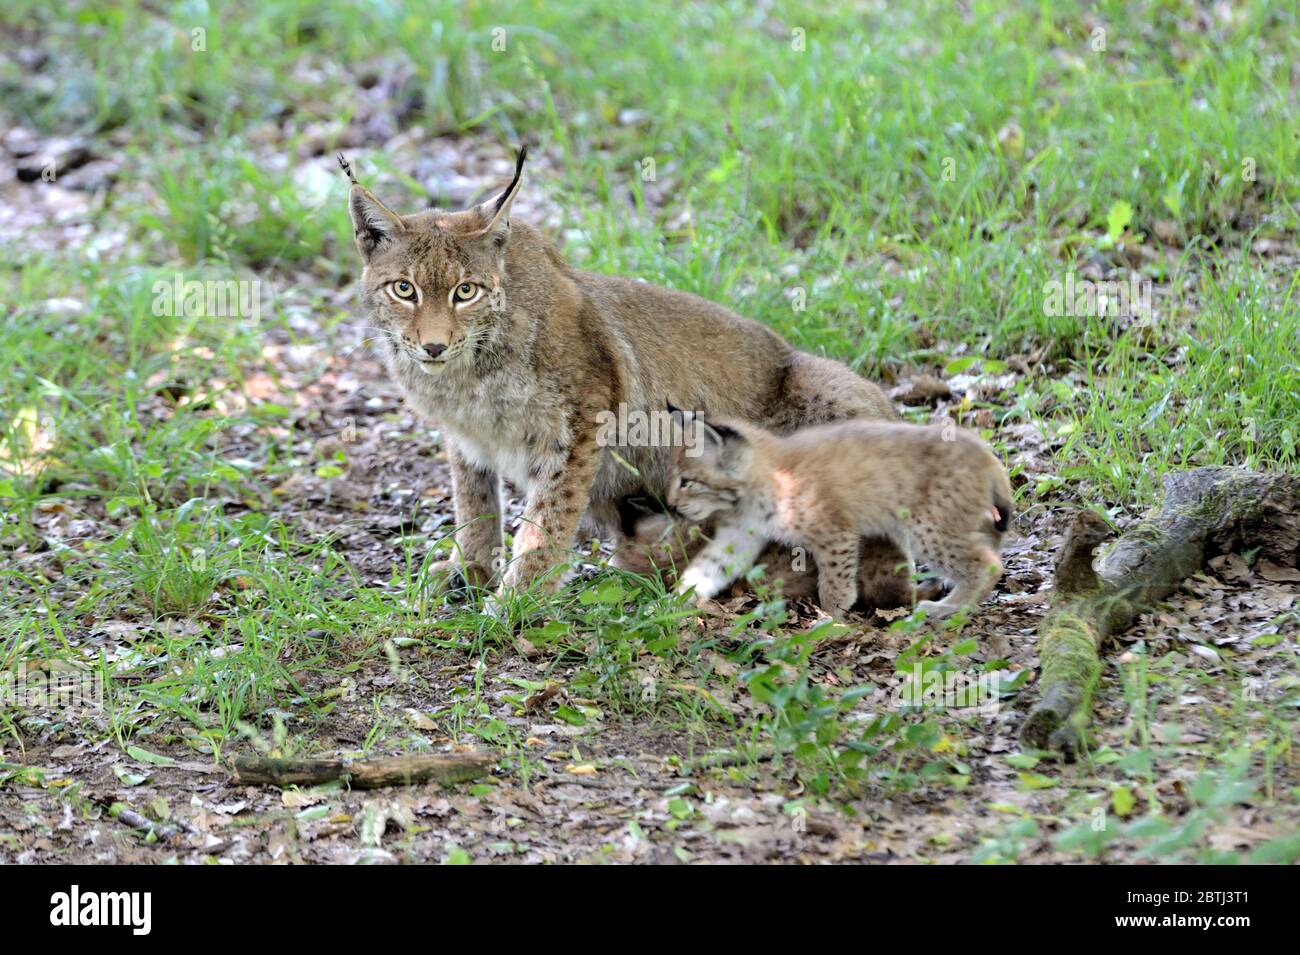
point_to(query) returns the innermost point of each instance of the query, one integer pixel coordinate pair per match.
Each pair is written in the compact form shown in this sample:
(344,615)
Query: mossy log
(446,768)
(1205,512)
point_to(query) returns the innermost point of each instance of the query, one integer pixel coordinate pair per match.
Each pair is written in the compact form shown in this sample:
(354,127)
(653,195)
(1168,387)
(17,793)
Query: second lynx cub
(938,493)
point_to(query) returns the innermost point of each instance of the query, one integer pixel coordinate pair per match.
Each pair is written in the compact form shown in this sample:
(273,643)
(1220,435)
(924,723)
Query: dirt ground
(624,788)
(1188,737)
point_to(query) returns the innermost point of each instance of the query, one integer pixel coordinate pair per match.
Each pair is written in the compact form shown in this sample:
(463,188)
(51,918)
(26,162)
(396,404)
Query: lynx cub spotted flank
(938,493)
(517,357)
(656,541)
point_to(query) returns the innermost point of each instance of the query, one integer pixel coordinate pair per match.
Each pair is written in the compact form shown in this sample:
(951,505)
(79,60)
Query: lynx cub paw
(699,581)
(937,609)
(456,577)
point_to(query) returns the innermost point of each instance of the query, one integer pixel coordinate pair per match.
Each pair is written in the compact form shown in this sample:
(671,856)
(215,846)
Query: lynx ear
(699,437)
(495,213)
(720,435)
(372,222)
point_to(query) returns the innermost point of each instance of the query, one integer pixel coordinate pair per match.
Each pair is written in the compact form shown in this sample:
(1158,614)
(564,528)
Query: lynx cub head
(433,281)
(715,477)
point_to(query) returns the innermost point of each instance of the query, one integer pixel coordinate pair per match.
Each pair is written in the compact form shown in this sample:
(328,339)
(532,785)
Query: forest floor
(219,523)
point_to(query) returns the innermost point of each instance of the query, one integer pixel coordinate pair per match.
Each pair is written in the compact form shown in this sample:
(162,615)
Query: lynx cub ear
(495,213)
(712,440)
(685,428)
(713,446)
(372,222)
(721,435)
(717,436)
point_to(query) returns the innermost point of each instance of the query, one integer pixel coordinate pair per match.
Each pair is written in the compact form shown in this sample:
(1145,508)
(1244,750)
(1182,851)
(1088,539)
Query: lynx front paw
(456,577)
(534,570)
(703,586)
(837,605)
(494,608)
(937,609)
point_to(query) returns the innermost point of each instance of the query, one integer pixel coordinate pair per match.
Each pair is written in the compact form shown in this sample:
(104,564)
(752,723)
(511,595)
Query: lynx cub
(936,492)
(655,541)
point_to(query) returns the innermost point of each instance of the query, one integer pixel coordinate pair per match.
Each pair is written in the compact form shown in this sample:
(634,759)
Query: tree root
(1205,511)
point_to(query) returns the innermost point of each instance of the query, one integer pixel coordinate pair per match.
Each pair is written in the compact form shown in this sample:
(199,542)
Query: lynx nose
(433,349)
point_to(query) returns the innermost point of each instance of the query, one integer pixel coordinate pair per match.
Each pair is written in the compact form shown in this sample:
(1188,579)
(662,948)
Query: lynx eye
(404,290)
(465,292)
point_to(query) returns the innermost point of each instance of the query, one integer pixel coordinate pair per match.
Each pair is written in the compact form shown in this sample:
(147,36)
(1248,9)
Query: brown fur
(937,492)
(517,375)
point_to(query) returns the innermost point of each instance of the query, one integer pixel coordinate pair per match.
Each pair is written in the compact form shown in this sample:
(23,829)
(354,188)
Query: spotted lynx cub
(656,541)
(938,493)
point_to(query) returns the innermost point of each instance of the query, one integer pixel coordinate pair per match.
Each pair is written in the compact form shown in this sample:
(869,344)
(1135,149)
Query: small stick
(161,831)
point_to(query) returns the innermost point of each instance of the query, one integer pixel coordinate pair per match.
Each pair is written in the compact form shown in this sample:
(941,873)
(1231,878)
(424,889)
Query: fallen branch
(724,758)
(447,769)
(1206,511)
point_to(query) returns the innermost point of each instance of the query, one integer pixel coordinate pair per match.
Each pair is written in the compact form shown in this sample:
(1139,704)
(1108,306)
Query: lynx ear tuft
(509,195)
(347,169)
(496,213)
(373,223)
(719,434)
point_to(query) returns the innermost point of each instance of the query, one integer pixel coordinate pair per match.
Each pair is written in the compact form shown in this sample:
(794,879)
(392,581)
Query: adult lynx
(515,355)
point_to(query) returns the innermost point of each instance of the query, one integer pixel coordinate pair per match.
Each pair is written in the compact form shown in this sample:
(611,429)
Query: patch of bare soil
(618,789)
(621,789)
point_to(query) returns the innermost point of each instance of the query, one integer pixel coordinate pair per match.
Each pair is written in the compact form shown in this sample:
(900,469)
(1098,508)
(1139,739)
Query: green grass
(916,175)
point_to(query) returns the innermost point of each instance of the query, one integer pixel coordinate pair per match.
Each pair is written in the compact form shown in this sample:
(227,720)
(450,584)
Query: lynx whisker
(369,342)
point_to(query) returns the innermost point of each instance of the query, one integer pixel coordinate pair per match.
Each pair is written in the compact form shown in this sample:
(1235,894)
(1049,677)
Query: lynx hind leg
(884,575)
(837,573)
(819,390)
(795,570)
(974,571)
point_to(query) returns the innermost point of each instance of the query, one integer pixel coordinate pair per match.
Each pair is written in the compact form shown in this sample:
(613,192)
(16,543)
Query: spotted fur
(938,493)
